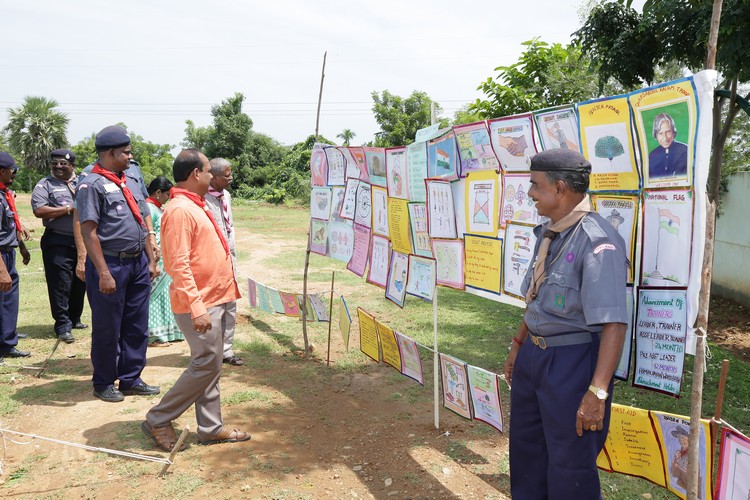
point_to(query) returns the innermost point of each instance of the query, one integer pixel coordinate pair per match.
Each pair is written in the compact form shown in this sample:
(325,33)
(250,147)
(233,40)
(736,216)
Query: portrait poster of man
(621,211)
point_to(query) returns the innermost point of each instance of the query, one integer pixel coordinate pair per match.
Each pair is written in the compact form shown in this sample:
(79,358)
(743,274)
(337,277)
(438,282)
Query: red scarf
(120,182)
(201,202)
(153,201)
(11,199)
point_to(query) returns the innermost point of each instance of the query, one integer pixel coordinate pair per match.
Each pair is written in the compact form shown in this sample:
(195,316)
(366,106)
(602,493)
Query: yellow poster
(345,322)
(391,354)
(398,225)
(368,335)
(607,142)
(481,203)
(483,260)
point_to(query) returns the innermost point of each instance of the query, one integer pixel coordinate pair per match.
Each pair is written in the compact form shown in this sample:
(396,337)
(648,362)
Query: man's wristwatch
(601,394)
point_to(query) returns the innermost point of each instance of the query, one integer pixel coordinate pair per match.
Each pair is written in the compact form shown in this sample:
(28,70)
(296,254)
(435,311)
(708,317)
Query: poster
(667,233)
(358,155)
(518,255)
(733,479)
(360,251)
(337,201)
(458,189)
(252,296)
(481,205)
(455,385)
(474,148)
(441,213)
(320,203)
(340,241)
(622,370)
(607,143)
(275,298)
(517,205)
(666,120)
(368,335)
(345,322)
(398,225)
(622,213)
(351,169)
(558,128)
(379,211)
(442,157)
(375,159)
(318,167)
(421,277)
(319,306)
(263,301)
(660,329)
(363,212)
(416,164)
(319,236)
(398,274)
(291,308)
(485,397)
(483,258)
(449,255)
(349,205)
(513,141)
(420,235)
(396,173)
(389,345)
(411,363)
(336,167)
(308,308)
(380,256)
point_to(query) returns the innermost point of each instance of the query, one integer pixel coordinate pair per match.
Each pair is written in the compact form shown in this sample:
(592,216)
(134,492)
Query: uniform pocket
(565,293)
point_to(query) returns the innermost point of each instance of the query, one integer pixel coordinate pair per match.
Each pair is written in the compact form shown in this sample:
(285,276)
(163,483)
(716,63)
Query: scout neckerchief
(120,182)
(201,202)
(224,207)
(11,199)
(70,183)
(575,215)
(153,201)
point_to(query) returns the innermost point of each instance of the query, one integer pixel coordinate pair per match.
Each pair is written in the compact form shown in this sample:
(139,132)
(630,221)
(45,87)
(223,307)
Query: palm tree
(346,135)
(34,129)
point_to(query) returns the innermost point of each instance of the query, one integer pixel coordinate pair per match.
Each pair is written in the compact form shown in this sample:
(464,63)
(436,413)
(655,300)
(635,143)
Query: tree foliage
(400,118)
(346,135)
(34,129)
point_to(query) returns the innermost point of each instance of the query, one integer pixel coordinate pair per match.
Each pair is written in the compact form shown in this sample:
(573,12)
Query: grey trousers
(227,326)
(199,383)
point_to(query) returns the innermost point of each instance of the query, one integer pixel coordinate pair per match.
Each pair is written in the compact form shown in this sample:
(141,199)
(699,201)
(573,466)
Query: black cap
(63,153)
(679,431)
(7,161)
(110,137)
(560,160)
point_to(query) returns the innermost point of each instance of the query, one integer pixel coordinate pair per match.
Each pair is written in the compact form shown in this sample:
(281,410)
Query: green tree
(34,129)
(466,114)
(346,135)
(400,118)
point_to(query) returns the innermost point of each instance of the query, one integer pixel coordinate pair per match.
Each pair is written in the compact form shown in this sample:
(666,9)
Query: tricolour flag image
(669,221)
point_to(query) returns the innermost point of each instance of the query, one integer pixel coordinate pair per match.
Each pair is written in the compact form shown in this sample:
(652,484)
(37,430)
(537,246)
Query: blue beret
(559,160)
(7,161)
(63,153)
(113,136)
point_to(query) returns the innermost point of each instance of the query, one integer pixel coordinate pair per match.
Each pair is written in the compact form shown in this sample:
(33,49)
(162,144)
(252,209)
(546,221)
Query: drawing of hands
(515,145)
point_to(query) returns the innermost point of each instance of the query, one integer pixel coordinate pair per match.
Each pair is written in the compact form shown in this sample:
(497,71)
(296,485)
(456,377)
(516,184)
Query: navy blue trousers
(547,458)
(9,304)
(65,290)
(119,322)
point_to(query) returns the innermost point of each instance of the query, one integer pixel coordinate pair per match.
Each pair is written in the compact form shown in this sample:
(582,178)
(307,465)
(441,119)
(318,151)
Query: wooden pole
(320,94)
(720,397)
(175,449)
(330,318)
(303,312)
(435,359)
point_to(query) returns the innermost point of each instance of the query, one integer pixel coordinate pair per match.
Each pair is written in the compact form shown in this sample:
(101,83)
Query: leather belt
(561,339)
(122,255)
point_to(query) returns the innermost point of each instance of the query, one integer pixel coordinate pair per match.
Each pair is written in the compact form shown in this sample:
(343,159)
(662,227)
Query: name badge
(111,187)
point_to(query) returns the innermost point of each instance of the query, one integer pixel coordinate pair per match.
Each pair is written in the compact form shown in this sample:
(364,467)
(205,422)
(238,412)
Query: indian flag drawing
(669,221)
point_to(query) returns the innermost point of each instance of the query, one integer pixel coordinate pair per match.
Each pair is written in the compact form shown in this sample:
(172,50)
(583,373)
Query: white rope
(706,350)
(726,424)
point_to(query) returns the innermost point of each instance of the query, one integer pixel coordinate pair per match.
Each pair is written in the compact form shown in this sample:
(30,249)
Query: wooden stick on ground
(176,449)
(44,365)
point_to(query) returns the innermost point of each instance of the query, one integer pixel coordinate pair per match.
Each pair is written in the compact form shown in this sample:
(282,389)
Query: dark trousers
(547,458)
(65,290)
(9,304)
(119,322)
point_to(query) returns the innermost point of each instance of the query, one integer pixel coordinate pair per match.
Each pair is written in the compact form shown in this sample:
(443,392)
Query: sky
(152,64)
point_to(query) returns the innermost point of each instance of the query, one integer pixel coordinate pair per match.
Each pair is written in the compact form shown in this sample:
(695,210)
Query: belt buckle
(540,342)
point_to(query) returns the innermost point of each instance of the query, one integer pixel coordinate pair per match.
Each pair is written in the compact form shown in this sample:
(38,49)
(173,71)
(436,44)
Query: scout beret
(560,160)
(7,161)
(679,431)
(63,153)
(110,137)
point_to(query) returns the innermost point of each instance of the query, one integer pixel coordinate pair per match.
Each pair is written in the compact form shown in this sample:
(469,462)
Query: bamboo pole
(330,318)
(175,449)
(303,312)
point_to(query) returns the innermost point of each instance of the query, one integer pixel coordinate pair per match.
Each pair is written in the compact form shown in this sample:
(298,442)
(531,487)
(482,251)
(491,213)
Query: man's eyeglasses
(61,163)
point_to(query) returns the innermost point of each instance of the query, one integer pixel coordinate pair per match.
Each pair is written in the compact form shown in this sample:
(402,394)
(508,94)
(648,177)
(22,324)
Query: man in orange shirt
(196,255)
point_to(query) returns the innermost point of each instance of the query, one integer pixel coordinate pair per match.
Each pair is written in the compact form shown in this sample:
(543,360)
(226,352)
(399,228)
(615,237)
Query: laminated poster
(441,214)
(320,203)
(666,121)
(319,236)
(458,190)
(358,155)
(318,167)
(396,173)
(622,371)
(291,308)
(308,308)
(518,256)
(474,148)
(455,385)
(481,203)
(733,480)
(419,233)
(389,345)
(483,258)
(513,141)
(558,128)
(276,303)
(622,213)
(485,397)
(351,170)
(398,225)
(252,296)
(398,274)
(340,241)
(379,211)
(380,257)
(607,143)
(427,133)
(517,205)
(345,322)
(263,301)
(320,307)
(337,201)
(349,205)
(660,330)
(422,276)
(375,159)
(667,233)
(361,251)
(363,213)
(336,167)
(368,335)
(416,164)
(442,157)
(449,255)
(411,363)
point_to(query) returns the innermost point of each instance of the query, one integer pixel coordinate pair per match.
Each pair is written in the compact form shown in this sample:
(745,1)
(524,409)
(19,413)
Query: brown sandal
(163,435)
(226,436)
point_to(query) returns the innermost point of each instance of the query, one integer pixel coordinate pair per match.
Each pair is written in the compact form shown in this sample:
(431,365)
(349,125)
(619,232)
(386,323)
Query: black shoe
(66,337)
(110,395)
(22,335)
(142,389)
(14,353)
(80,326)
